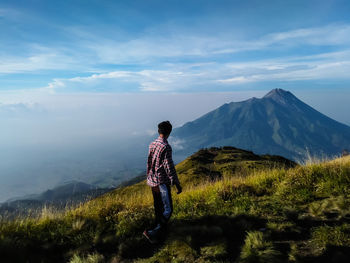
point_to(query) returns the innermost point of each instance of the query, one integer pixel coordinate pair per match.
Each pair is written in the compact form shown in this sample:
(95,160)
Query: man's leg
(158,204)
(163,207)
(167,202)
(151,234)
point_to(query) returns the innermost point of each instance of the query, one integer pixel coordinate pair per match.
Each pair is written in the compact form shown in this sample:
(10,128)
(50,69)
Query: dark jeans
(163,205)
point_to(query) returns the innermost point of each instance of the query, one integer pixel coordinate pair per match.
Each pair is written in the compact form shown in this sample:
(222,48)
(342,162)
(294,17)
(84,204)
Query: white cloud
(208,76)
(176,143)
(144,80)
(148,48)
(203,71)
(335,35)
(91,52)
(238,80)
(36,62)
(203,46)
(334,65)
(327,35)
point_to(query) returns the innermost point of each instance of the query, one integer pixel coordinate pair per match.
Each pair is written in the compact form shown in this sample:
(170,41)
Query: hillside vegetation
(235,207)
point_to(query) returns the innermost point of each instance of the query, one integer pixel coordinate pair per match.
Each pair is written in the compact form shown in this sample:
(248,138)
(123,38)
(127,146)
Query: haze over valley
(84,84)
(106,145)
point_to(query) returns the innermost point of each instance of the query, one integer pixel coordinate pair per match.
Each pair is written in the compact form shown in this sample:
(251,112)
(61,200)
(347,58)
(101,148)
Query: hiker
(161,174)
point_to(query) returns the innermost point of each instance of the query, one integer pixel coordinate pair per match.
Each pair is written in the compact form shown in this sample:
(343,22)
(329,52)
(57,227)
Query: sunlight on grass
(275,199)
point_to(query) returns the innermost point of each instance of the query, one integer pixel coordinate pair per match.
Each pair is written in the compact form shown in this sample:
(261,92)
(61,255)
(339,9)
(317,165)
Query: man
(161,174)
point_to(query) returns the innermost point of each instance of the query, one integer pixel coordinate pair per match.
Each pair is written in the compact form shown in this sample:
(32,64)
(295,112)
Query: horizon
(79,78)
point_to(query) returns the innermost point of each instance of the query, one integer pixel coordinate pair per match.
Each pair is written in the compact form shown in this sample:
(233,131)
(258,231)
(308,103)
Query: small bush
(133,221)
(177,251)
(214,251)
(91,258)
(280,226)
(342,206)
(266,182)
(258,250)
(293,253)
(317,209)
(328,235)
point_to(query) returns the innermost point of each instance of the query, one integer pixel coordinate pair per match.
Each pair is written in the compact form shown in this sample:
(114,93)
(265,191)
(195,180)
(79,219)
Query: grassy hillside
(236,207)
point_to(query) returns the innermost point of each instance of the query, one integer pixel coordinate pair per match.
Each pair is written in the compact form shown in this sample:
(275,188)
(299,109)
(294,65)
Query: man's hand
(179,188)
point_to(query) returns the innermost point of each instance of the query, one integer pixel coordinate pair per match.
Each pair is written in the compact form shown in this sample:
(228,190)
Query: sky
(54,48)
(73,72)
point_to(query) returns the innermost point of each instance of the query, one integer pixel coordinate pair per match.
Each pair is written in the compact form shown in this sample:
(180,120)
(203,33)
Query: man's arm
(149,159)
(170,169)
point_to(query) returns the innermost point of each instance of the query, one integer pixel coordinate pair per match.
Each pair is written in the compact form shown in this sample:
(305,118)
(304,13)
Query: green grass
(257,250)
(235,207)
(324,236)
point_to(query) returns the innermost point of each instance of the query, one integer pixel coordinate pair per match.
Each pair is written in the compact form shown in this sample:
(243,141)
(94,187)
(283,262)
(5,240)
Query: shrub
(133,220)
(300,184)
(266,182)
(317,209)
(91,258)
(258,250)
(177,251)
(214,251)
(327,235)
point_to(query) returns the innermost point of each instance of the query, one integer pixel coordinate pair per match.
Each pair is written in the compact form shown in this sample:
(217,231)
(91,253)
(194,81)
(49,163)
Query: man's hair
(165,127)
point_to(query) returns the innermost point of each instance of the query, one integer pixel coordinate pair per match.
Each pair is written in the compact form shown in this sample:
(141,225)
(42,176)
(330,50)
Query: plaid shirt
(160,165)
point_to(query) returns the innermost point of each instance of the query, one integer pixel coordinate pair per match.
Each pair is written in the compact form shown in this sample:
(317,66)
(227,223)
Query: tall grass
(209,222)
(257,250)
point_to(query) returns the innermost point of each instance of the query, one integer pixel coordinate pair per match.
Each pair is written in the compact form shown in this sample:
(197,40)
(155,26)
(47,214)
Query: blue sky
(65,47)
(76,74)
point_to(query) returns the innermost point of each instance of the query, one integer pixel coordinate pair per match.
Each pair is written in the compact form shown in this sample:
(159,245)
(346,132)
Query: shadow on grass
(213,238)
(332,254)
(198,234)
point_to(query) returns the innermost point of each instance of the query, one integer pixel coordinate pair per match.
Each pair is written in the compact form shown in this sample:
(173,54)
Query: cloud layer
(182,48)
(179,62)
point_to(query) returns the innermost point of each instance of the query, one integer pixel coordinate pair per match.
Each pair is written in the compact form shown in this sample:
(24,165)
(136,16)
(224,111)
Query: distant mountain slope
(59,193)
(279,123)
(70,193)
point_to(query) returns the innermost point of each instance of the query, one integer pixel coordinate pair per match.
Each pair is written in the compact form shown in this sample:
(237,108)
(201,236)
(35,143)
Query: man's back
(160,166)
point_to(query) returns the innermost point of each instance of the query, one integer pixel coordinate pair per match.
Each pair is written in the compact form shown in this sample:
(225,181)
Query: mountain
(279,123)
(59,193)
(68,194)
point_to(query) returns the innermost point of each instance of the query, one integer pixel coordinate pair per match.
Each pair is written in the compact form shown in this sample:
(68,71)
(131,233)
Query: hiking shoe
(151,239)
